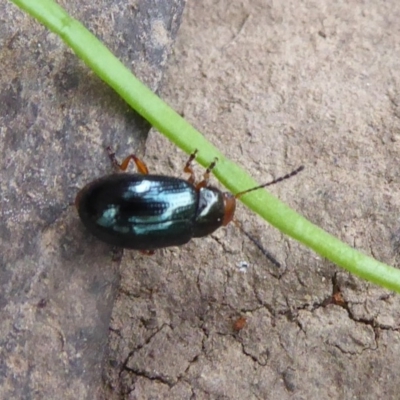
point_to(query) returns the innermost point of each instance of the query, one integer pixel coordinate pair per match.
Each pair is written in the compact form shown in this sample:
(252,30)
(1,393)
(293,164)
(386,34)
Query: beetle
(147,212)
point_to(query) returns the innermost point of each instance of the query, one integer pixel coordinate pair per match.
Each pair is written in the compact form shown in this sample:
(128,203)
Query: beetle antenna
(263,250)
(282,178)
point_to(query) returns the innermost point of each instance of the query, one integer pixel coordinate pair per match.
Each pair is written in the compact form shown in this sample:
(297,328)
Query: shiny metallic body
(146,212)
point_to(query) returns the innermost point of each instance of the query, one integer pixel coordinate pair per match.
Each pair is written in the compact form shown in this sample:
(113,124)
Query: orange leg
(140,165)
(189,168)
(148,252)
(206,176)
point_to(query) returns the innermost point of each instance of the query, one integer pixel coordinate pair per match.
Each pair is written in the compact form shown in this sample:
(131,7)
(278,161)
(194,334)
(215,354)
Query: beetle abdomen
(142,212)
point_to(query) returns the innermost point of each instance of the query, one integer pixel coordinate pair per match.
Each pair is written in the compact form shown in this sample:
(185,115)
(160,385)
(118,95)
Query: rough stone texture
(275,85)
(58,285)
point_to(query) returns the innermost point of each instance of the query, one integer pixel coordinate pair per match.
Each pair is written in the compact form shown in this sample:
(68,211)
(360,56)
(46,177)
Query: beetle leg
(148,252)
(140,165)
(189,168)
(206,176)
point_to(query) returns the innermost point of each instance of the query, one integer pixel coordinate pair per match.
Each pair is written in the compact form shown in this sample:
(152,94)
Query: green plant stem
(172,125)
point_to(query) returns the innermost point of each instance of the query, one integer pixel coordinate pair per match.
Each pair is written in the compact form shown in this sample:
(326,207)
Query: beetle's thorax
(210,211)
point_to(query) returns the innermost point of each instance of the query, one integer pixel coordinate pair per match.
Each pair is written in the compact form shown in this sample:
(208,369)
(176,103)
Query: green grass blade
(172,125)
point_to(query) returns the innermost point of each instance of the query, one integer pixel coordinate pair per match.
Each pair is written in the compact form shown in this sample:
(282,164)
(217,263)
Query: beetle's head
(229,207)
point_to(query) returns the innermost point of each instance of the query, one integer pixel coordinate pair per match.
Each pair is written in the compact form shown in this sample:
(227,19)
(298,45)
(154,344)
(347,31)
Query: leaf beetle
(146,212)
